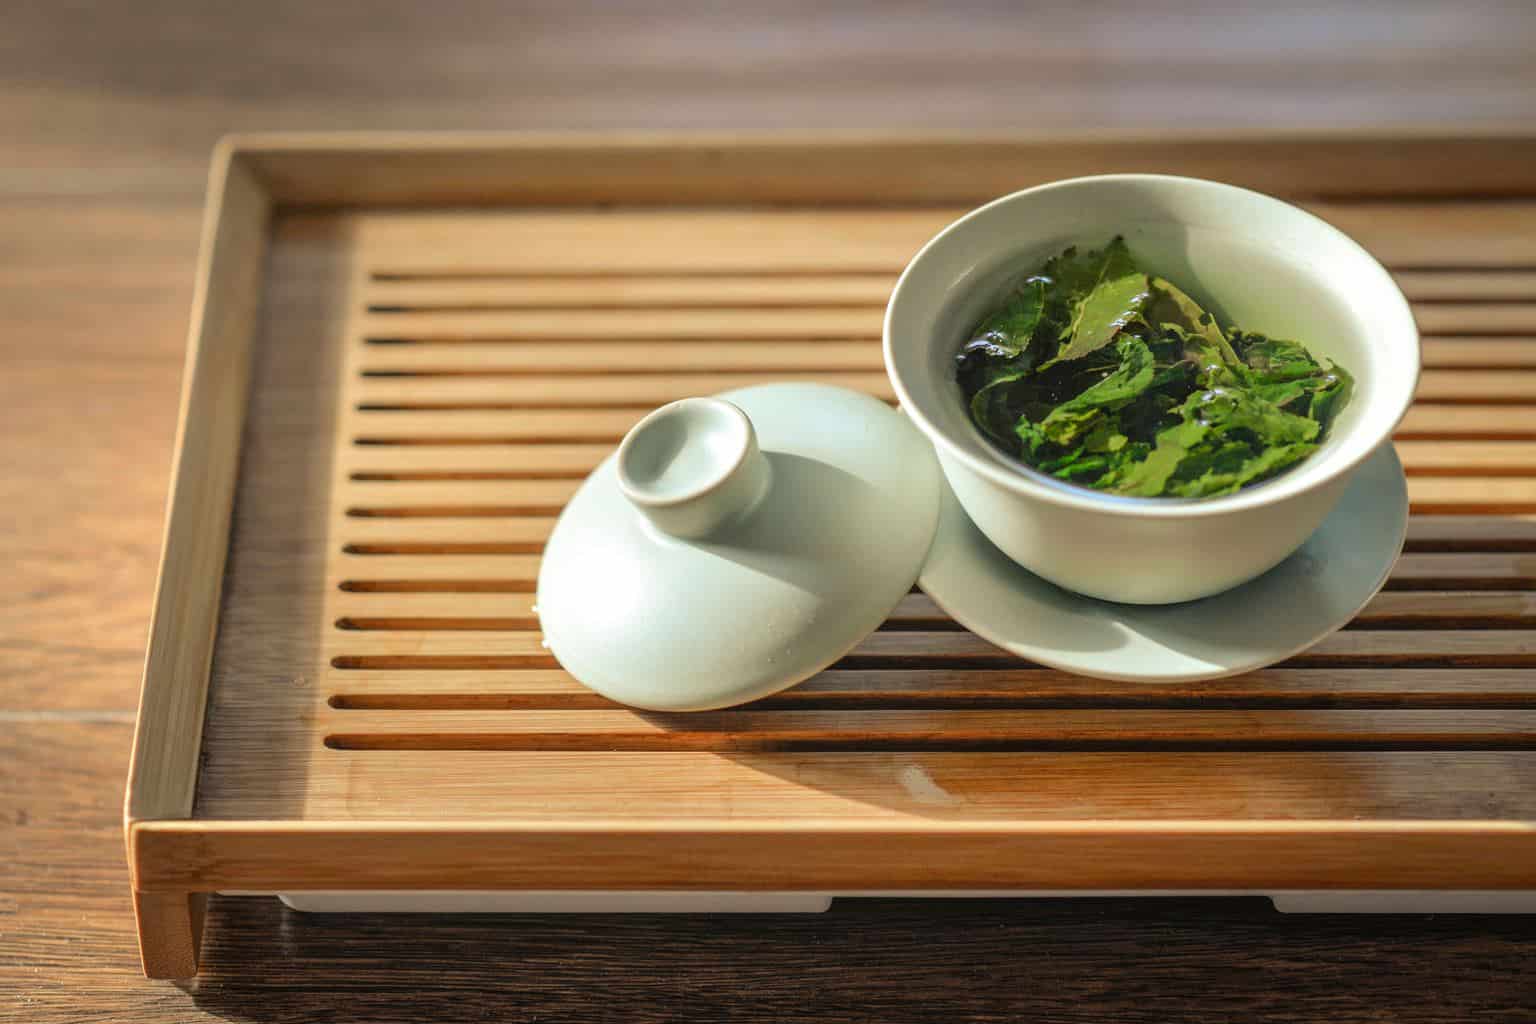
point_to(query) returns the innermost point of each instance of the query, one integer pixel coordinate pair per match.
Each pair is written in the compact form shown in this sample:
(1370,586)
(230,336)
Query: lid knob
(693,467)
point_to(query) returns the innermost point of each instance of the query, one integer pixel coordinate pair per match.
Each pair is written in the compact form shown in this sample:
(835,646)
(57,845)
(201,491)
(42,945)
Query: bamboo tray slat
(575,461)
(408,353)
(476,613)
(797,291)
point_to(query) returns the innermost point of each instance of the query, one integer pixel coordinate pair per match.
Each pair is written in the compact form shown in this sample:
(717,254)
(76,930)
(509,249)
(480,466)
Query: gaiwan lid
(734,546)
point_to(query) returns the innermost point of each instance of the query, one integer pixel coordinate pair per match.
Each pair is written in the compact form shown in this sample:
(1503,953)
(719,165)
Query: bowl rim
(1019,480)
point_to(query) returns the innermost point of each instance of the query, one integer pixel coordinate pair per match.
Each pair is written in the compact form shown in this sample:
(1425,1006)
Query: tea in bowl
(1149,389)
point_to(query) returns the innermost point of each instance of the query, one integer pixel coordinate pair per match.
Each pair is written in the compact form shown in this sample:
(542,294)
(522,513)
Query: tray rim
(483,167)
(253,176)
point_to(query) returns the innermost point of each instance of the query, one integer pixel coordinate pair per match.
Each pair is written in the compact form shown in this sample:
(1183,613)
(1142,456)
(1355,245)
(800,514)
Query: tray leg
(170,931)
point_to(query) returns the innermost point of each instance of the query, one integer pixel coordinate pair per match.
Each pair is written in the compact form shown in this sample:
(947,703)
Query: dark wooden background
(107,115)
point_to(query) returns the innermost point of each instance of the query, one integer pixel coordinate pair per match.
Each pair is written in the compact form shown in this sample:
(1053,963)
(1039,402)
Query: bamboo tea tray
(407,352)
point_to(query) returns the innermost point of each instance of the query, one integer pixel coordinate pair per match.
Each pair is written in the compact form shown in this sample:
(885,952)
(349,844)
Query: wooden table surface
(107,116)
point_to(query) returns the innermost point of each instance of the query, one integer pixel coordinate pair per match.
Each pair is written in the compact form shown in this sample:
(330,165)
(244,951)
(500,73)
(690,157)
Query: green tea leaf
(1122,463)
(1092,465)
(1283,393)
(1170,304)
(1009,331)
(1173,444)
(1112,301)
(1033,440)
(1175,408)
(1073,273)
(1202,334)
(989,403)
(1335,387)
(1213,454)
(1273,360)
(1266,464)
(1135,372)
(1229,409)
(1064,427)
(1107,310)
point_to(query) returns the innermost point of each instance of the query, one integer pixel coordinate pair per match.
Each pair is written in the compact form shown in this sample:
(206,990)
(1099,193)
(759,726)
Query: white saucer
(1288,609)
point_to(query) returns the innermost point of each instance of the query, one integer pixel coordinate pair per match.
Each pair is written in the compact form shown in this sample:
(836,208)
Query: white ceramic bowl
(1248,258)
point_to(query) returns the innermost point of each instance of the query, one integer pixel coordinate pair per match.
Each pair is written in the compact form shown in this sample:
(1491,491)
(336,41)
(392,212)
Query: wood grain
(503,572)
(415,536)
(69,953)
(109,119)
(162,778)
(959,689)
(457,169)
(400,641)
(452,650)
(1453,234)
(512,612)
(573,461)
(144,106)
(68,950)
(542,290)
(775,855)
(726,732)
(1142,961)
(96,292)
